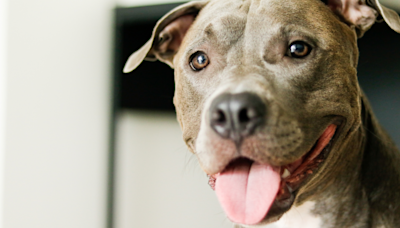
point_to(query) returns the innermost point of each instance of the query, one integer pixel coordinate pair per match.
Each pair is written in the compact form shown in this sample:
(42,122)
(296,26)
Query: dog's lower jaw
(341,201)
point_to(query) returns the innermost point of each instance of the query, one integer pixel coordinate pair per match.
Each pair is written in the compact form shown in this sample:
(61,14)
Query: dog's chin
(294,175)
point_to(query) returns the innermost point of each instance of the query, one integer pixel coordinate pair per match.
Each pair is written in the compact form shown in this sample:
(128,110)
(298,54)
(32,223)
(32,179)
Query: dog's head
(266,94)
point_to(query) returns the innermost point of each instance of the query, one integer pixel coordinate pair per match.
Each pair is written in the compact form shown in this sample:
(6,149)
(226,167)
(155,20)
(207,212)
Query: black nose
(237,116)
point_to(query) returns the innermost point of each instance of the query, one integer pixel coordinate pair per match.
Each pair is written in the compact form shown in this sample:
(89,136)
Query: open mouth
(249,191)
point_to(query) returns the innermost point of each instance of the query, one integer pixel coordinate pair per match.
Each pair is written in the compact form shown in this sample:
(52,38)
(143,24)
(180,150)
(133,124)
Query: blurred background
(78,147)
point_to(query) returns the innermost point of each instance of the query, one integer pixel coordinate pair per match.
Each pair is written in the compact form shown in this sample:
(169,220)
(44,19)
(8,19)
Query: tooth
(285,173)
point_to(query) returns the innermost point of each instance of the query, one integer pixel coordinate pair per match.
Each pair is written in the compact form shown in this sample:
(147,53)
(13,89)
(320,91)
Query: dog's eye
(199,61)
(299,49)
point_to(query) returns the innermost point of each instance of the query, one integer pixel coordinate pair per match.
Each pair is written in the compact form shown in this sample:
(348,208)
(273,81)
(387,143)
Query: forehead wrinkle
(223,23)
(225,31)
(271,18)
(195,45)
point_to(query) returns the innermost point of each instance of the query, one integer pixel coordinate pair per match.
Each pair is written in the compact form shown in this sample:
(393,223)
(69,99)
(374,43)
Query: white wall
(3,53)
(131,3)
(159,183)
(59,55)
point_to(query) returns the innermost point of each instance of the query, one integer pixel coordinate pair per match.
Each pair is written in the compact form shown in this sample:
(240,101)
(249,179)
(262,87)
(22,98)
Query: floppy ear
(363,13)
(167,36)
(390,16)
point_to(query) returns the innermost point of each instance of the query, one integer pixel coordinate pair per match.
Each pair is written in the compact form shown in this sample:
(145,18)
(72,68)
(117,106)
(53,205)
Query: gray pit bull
(268,100)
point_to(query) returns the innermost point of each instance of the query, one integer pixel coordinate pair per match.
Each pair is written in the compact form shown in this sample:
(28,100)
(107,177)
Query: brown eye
(299,49)
(199,61)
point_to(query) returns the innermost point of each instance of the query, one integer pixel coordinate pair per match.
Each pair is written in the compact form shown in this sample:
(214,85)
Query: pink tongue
(247,190)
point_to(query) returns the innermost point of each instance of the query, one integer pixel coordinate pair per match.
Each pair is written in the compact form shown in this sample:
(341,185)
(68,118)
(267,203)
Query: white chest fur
(298,217)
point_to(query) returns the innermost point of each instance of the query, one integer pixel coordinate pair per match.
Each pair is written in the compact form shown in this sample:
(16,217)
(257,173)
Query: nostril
(244,115)
(247,115)
(219,117)
(220,122)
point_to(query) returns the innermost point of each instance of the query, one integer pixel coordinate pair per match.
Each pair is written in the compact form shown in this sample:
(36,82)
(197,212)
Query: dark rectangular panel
(151,85)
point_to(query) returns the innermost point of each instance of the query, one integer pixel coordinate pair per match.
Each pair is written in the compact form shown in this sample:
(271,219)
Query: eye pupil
(201,59)
(299,49)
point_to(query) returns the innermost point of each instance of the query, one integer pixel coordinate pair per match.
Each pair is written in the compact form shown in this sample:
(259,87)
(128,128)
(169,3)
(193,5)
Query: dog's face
(267,97)
(248,51)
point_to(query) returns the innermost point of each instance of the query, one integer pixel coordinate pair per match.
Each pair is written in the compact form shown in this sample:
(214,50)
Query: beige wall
(159,183)
(130,3)
(59,55)
(3,51)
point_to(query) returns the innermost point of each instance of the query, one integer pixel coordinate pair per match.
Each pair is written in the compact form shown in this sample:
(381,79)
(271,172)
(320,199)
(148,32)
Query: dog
(268,100)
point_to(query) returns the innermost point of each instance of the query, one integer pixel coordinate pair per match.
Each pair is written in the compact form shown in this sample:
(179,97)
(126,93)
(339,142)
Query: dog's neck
(380,172)
(366,194)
